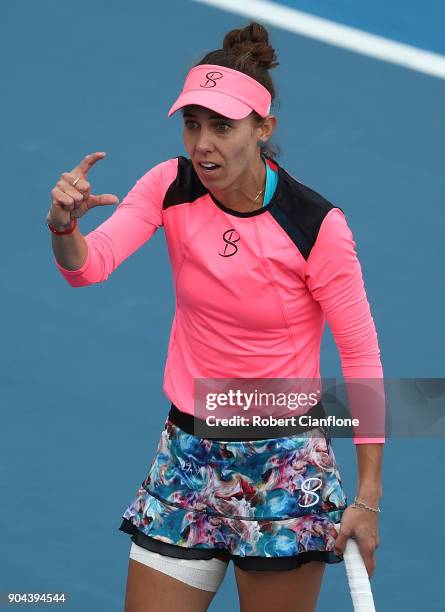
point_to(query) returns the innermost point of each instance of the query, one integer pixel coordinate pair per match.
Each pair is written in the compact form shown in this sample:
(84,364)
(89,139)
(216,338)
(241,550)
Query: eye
(222,124)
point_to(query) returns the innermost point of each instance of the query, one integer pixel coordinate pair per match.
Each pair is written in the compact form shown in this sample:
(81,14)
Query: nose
(204,143)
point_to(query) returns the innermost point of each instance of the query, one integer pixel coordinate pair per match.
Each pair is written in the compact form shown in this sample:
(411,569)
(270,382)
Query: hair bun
(251,43)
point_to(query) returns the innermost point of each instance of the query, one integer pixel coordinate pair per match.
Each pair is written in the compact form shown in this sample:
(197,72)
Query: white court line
(336,34)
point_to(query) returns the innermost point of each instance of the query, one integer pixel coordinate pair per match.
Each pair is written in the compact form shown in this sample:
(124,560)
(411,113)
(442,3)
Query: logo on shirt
(212,77)
(230,237)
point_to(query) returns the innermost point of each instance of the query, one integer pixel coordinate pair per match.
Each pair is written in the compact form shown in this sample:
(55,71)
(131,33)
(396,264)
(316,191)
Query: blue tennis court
(81,377)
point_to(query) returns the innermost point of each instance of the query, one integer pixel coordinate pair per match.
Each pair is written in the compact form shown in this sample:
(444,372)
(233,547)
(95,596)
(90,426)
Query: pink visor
(228,92)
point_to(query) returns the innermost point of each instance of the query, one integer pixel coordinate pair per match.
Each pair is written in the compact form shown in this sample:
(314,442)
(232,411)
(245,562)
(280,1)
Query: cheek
(241,157)
(186,139)
(244,146)
(239,149)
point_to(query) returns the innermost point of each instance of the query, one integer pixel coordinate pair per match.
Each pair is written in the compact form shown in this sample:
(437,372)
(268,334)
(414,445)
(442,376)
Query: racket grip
(359,584)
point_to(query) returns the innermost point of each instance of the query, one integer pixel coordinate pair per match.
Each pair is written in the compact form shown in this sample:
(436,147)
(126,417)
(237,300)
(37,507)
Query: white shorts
(206,574)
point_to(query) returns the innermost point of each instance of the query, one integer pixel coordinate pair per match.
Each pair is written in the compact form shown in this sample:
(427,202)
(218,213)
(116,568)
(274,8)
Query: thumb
(340,543)
(102,200)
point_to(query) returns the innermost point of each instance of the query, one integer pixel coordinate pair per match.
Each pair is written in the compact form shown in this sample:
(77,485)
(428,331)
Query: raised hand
(71,197)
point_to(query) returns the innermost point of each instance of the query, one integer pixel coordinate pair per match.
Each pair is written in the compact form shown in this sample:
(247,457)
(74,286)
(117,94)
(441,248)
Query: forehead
(194,110)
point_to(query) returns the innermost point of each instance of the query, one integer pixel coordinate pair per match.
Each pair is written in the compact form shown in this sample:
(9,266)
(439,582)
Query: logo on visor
(212,77)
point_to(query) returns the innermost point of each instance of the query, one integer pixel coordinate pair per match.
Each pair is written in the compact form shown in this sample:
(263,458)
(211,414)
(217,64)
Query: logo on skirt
(309,493)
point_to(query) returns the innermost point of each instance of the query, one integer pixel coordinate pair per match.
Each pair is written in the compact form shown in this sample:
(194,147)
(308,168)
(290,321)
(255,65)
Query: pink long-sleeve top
(253,290)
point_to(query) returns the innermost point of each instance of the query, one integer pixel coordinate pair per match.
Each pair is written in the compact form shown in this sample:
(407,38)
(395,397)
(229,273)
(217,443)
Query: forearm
(369,477)
(70,250)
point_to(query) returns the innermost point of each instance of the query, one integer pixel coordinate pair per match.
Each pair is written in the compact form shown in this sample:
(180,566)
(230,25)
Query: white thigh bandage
(206,574)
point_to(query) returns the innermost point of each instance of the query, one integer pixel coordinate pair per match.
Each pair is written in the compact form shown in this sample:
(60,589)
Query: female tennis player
(259,261)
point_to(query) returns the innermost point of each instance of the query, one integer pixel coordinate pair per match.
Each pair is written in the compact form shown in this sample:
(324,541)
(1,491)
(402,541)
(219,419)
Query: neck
(242,197)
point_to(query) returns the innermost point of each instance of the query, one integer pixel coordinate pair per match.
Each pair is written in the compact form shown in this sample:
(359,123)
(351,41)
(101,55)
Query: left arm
(334,278)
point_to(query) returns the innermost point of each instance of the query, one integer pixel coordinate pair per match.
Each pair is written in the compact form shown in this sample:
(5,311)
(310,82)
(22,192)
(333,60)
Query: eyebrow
(189,114)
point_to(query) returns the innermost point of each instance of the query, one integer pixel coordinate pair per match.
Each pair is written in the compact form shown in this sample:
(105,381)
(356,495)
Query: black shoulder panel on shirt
(186,187)
(300,211)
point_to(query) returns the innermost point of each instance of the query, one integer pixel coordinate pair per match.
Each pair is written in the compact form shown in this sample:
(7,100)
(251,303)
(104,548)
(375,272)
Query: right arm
(83,260)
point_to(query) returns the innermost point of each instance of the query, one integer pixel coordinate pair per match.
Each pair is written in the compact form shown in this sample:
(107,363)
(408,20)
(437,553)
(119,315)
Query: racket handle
(359,584)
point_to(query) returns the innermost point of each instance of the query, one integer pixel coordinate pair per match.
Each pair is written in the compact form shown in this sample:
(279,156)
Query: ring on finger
(75,181)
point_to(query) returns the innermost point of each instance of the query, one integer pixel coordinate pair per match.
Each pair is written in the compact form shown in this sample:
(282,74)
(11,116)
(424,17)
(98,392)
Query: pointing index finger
(88,162)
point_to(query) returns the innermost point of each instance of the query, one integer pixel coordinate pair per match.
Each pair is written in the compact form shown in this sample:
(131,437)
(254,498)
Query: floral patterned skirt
(265,504)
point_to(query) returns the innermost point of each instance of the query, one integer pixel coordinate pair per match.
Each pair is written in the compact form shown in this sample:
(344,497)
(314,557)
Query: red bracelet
(68,231)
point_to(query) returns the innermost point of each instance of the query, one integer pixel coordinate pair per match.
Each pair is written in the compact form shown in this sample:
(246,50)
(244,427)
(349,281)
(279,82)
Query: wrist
(369,493)
(62,229)
(362,505)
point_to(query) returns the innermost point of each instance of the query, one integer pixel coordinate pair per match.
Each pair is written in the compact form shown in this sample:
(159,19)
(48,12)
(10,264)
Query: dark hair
(248,50)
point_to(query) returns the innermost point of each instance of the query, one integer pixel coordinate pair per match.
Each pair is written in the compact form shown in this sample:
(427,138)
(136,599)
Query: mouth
(208,169)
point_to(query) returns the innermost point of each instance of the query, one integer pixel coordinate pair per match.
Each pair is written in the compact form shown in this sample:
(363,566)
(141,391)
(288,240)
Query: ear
(268,127)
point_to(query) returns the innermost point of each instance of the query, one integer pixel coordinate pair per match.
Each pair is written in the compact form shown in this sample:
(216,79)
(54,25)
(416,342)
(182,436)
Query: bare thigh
(293,590)
(149,590)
